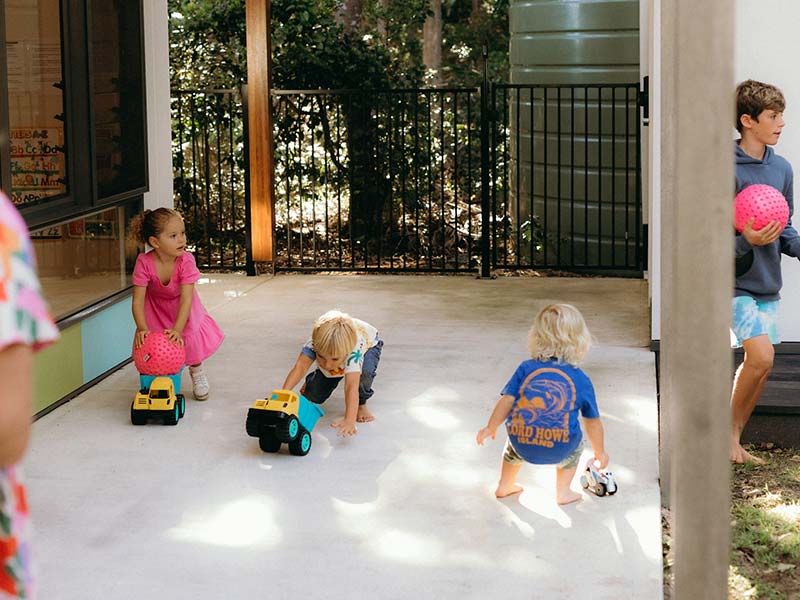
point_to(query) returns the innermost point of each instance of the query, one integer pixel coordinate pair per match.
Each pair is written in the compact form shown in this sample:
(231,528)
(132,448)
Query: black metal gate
(566,177)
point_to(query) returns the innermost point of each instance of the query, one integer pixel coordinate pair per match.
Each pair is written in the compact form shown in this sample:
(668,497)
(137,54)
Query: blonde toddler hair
(334,334)
(559,332)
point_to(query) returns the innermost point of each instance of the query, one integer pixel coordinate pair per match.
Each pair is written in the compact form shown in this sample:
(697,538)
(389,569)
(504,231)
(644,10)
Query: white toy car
(601,482)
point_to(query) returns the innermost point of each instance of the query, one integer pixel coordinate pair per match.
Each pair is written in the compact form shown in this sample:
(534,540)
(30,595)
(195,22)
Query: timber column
(698,259)
(259,80)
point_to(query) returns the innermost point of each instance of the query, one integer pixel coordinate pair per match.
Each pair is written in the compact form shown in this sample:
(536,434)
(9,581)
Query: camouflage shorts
(570,462)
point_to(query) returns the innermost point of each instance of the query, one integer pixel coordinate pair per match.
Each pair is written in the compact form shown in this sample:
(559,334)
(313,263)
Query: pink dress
(201,336)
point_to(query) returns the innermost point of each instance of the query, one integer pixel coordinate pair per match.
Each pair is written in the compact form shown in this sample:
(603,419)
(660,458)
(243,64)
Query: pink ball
(158,355)
(762,202)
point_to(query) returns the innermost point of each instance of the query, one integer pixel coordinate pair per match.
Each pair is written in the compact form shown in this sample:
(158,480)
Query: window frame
(81,197)
(119,197)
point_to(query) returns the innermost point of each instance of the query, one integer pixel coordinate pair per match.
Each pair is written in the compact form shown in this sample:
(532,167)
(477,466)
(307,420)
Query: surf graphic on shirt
(540,416)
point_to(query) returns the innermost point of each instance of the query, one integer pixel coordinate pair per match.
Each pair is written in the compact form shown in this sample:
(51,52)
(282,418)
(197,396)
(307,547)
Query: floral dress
(23,320)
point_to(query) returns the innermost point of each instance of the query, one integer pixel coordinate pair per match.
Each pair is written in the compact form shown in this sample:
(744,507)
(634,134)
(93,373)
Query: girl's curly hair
(150,223)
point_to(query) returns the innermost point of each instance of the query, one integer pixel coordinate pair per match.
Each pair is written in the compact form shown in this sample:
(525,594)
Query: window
(85,260)
(36,114)
(118,97)
(73,139)
(73,101)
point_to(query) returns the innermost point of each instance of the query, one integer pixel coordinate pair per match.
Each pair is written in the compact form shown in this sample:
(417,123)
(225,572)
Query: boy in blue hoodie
(759,119)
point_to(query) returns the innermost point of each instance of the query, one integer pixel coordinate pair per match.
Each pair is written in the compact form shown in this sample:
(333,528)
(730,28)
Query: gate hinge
(644,100)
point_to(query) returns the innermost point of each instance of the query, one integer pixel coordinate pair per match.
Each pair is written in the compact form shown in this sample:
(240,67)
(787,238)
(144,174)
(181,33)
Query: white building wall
(650,27)
(159,151)
(767,47)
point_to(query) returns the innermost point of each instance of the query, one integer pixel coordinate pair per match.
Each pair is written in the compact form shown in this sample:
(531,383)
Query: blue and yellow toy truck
(283,416)
(158,398)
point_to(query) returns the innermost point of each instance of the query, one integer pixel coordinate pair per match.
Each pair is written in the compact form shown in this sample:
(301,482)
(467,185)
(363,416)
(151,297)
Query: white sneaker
(200,387)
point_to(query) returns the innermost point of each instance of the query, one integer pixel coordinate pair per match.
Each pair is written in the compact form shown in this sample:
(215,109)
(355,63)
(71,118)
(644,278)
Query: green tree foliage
(207,43)
(466,33)
(311,50)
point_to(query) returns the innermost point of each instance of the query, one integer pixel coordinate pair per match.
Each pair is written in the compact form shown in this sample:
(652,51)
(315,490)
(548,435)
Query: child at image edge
(759,120)
(25,328)
(541,401)
(164,296)
(344,348)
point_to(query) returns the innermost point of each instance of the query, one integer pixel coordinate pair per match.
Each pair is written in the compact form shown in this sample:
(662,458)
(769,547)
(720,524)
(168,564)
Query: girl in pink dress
(164,297)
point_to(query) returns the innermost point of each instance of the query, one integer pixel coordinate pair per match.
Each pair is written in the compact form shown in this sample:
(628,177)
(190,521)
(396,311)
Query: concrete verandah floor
(403,510)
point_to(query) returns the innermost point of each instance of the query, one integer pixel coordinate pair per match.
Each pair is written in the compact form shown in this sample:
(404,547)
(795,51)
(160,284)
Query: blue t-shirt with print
(543,425)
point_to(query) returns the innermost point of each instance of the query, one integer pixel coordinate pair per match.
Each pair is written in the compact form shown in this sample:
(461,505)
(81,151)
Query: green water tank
(572,154)
(580,41)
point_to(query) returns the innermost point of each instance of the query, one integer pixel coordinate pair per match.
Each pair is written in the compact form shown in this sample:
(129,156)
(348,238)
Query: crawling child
(343,348)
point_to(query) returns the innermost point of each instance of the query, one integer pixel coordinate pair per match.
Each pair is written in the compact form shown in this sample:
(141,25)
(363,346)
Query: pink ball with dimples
(158,355)
(763,203)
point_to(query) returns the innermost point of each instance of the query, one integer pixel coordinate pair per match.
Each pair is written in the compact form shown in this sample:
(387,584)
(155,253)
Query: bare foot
(363,415)
(503,492)
(740,456)
(568,497)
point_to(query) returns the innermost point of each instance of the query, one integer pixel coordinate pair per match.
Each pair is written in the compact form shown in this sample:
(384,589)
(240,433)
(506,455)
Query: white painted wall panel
(767,47)
(159,150)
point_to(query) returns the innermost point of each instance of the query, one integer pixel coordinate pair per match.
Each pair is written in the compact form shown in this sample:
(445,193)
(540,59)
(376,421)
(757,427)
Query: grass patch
(765,529)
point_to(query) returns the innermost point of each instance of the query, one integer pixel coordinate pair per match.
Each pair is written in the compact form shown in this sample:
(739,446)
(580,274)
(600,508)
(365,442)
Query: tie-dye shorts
(753,317)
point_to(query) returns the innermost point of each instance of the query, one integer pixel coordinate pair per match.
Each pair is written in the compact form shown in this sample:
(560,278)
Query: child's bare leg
(508,478)
(747,386)
(564,494)
(364,415)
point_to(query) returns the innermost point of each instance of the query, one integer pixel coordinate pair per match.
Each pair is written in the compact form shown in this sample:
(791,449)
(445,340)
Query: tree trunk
(432,43)
(349,16)
(384,6)
(476,5)
(368,189)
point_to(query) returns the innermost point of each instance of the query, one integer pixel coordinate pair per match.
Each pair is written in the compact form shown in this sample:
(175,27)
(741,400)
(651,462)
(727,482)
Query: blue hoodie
(758,268)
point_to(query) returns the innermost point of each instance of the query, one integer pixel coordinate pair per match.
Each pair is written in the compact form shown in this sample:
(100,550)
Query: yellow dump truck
(156,399)
(283,416)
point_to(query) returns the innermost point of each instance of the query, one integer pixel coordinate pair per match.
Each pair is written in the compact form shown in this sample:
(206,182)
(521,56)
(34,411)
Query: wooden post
(259,51)
(699,253)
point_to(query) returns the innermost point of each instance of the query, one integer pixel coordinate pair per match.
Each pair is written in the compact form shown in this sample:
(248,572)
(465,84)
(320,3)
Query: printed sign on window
(37,163)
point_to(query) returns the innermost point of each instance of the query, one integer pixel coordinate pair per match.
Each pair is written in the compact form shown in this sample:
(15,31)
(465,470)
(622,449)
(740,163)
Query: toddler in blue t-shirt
(541,402)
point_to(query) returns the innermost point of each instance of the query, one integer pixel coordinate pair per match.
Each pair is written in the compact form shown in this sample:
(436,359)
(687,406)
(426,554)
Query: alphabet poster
(37,164)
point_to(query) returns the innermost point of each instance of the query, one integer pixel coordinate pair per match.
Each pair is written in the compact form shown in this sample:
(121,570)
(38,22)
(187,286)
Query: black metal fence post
(485,208)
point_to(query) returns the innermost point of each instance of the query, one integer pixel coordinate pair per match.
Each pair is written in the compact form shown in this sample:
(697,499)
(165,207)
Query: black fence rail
(377,180)
(209,155)
(566,177)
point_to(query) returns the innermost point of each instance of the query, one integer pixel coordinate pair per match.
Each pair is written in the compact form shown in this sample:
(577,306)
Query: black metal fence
(377,181)
(405,180)
(566,177)
(209,156)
